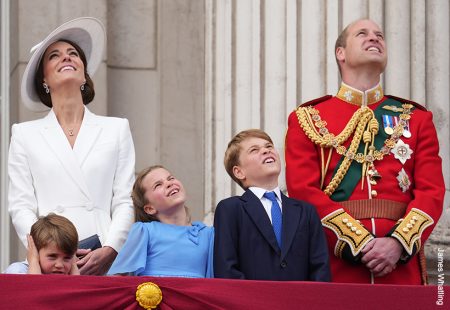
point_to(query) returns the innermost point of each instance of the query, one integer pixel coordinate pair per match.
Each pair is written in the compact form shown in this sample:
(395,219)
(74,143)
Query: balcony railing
(92,292)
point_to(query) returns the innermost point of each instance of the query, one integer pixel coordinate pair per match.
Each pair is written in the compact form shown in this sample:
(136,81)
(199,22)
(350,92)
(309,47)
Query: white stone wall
(189,74)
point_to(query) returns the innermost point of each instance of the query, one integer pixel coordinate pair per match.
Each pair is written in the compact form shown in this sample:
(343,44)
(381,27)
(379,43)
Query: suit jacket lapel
(291,218)
(256,211)
(87,136)
(58,143)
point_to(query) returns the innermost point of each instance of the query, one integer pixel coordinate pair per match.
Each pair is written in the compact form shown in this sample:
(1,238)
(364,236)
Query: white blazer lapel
(87,136)
(53,134)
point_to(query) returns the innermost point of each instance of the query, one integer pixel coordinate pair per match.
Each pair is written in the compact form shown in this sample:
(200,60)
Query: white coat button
(59,209)
(90,207)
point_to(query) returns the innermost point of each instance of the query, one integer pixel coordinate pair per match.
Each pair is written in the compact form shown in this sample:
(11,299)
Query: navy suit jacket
(245,246)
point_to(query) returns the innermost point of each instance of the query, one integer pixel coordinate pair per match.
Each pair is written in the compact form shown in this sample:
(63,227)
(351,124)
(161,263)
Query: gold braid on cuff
(410,229)
(347,230)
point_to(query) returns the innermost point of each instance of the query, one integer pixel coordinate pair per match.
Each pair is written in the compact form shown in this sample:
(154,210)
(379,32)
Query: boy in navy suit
(264,235)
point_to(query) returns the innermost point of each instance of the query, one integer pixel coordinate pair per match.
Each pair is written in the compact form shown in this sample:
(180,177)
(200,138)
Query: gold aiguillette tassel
(367,138)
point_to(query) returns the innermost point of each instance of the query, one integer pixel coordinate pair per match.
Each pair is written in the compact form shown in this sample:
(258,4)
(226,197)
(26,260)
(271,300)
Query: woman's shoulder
(111,119)
(29,124)
(112,124)
(29,130)
(106,119)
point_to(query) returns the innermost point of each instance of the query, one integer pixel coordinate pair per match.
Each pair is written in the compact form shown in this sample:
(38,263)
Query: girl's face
(62,63)
(164,193)
(54,261)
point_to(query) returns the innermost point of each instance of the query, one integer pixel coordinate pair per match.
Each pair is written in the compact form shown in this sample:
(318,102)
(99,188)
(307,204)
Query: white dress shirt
(267,204)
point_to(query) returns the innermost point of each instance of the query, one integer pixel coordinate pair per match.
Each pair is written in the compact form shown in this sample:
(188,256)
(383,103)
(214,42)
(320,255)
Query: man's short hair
(233,151)
(341,41)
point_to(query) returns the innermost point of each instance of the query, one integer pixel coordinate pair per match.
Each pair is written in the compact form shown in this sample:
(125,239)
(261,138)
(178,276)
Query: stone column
(397,76)
(133,79)
(181,67)
(218,104)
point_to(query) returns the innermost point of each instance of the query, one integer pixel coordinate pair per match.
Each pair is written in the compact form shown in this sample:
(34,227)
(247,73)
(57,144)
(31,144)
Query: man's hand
(96,262)
(74,269)
(82,253)
(33,257)
(381,255)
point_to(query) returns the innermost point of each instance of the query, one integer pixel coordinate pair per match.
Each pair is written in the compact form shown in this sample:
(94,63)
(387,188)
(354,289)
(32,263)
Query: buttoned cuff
(352,235)
(408,231)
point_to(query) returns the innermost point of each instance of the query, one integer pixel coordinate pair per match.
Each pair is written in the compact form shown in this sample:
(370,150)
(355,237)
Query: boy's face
(259,164)
(54,261)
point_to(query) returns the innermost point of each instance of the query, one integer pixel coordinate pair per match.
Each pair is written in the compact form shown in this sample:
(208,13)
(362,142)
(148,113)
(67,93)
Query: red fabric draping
(91,292)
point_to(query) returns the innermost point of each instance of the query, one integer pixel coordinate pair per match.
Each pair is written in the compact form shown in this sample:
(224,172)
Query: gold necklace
(364,126)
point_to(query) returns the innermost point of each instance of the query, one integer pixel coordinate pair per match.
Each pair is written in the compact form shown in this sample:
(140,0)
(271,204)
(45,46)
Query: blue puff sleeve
(210,265)
(133,256)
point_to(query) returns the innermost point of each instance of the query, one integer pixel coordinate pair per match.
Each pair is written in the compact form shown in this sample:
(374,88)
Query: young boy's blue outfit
(17,268)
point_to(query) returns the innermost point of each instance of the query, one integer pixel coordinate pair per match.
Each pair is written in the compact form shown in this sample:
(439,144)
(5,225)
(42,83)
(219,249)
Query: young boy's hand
(33,257)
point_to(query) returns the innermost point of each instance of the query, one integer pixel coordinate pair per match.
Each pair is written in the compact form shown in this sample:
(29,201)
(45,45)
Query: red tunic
(424,168)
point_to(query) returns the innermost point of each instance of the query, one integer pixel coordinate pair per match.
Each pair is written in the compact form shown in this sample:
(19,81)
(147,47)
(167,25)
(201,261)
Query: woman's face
(163,191)
(62,65)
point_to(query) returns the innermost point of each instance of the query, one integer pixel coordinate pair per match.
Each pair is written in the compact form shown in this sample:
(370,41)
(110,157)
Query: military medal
(401,151)
(403,180)
(388,124)
(406,132)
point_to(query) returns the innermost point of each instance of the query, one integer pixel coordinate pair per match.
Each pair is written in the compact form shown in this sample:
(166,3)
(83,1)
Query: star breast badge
(402,151)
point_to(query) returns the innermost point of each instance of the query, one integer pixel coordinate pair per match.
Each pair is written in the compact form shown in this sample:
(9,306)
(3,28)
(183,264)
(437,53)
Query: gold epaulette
(402,100)
(315,101)
(347,230)
(410,229)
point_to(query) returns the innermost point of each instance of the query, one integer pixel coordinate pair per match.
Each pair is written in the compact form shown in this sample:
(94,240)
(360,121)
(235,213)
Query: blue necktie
(276,215)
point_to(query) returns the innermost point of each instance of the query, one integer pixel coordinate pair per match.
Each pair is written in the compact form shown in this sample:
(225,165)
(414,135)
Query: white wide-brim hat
(87,32)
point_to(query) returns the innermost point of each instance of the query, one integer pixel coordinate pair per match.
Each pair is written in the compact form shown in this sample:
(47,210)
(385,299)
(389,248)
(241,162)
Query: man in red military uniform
(370,165)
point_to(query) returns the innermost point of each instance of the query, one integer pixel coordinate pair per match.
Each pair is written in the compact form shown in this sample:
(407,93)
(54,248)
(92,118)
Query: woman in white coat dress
(71,162)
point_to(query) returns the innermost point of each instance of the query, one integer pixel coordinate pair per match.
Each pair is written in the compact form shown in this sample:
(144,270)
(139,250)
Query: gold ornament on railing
(148,295)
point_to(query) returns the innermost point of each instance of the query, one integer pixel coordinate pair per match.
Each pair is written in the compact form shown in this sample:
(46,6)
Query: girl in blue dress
(163,241)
